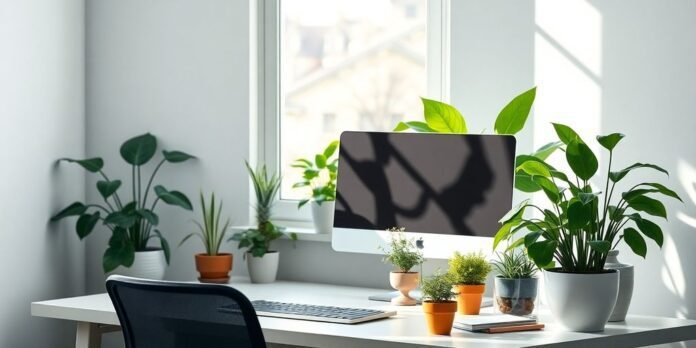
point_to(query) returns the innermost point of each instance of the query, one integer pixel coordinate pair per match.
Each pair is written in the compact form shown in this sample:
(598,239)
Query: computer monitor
(446,190)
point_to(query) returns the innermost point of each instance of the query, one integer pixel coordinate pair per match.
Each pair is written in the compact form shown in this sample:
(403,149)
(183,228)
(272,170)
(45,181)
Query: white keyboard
(341,315)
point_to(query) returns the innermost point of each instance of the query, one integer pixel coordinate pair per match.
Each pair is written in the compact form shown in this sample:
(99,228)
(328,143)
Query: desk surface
(407,328)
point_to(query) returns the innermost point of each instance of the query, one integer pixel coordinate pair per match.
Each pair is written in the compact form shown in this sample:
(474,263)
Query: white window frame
(269,88)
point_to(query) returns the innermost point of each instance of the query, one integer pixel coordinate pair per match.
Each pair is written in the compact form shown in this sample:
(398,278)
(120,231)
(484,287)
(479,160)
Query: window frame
(269,89)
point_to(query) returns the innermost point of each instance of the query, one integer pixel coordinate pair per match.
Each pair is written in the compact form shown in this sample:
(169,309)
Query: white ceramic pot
(149,264)
(263,269)
(581,301)
(625,285)
(322,215)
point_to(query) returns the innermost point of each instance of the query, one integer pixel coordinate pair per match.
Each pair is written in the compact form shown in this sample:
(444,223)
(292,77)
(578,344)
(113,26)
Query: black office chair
(186,315)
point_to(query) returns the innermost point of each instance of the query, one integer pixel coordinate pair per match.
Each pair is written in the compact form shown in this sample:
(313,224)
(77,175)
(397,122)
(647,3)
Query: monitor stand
(416,294)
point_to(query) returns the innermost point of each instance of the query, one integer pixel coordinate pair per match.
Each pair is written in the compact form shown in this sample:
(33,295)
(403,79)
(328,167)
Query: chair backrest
(174,314)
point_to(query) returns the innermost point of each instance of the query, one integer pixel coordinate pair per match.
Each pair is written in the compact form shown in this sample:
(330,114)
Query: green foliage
(258,240)
(514,264)
(582,223)
(437,288)
(402,252)
(319,175)
(444,118)
(132,223)
(210,232)
(469,269)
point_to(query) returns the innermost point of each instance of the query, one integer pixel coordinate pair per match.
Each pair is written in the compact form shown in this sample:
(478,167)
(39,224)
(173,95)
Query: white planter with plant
(404,255)
(262,262)
(212,265)
(580,226)
(468,273)
(515,284)
(319,180)
(131,220)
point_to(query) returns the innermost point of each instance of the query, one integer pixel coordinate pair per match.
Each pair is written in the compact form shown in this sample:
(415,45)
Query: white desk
(407,328)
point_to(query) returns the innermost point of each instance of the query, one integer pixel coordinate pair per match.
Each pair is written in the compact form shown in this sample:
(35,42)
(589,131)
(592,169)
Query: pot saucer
(214,280)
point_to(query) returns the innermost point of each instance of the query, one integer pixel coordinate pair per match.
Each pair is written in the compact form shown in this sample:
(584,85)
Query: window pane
(346,65)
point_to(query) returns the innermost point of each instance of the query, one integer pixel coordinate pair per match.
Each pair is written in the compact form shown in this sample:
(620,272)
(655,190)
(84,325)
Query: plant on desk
(404,255)
(438,306)
(213,266)
(581,225)
(132,223)
(262,262)
(468,274)
(515,284)
(319,180)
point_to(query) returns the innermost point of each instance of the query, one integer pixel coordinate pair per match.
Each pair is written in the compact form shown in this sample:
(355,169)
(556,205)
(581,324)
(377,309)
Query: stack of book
(496,323)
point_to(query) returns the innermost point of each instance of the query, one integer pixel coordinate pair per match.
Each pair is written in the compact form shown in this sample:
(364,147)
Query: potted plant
(581,225)
(515,284)
(262,262)
(319,176)
(468,274)
(133,223)
(213,266)
(404,255)
(438,306)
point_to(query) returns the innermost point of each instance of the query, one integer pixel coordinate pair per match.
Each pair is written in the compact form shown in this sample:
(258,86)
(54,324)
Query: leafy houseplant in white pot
(515,284)
(213,266)
(319,177)
(581,226)
(133,223)
(262,262)
(404,255)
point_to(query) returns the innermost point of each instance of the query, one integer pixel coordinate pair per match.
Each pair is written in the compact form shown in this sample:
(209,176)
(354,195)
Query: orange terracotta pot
(439,316)
(469,298)
(214,269)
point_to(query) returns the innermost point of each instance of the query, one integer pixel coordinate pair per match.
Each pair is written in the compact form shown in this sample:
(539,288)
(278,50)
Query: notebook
(486,321)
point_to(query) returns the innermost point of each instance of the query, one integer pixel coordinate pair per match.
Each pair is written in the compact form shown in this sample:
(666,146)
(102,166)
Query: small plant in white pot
(404,255)
(262,261)
(213,266)
(319,179)
(515,284)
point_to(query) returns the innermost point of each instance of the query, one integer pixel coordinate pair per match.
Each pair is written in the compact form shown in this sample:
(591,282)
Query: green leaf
(442,117)
(663,190)
(648,205)
(550,189)
(504,232)
(579,215)
(565,133)
(635,241)
(85,224)
(310,174)
(120,251)
(542,252)
(331,149)
(302,163)
(108,188)
(545,151)
(300,184)
(139,150)
(173,197)
(164,245)
(524,183)
(417,126)
(587,197)
(302,203)
(74,209)
(513,116)
(535,168)
(515,212)
(93,165)
(581,159)
(531,238)
(616,176)
(610,141)
(600,246)
(176,156)
(320,160)
(120,219)
(649,228)
(149,216)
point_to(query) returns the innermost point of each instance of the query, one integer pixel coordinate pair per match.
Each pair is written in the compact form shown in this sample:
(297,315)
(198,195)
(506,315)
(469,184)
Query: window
(337,65)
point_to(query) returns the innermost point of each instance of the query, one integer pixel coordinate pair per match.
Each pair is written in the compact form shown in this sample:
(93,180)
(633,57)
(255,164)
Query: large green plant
(319,175)
(132,222)
(258,240)
(581,224)
(210,232)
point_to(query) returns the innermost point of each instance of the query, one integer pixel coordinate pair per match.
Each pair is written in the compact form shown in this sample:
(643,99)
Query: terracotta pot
(214,269)
(404,282)
(439,316)
(469,298)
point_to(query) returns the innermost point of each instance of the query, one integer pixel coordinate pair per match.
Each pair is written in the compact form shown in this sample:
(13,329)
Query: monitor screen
(429,183)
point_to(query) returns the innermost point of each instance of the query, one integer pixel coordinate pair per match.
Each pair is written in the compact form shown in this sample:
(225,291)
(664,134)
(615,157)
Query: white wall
(41,119)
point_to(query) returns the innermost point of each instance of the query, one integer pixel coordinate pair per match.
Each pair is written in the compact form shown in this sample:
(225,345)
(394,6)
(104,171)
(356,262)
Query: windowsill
(303,233)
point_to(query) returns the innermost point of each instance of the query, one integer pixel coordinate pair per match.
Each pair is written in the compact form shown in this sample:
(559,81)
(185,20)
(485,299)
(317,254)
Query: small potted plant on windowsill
(468,274)
(404,255)
(515,284)
(319,178)
(262,261)
(438,306)
(213,266)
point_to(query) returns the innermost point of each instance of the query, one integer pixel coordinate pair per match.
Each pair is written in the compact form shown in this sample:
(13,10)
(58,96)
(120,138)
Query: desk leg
(88,335)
